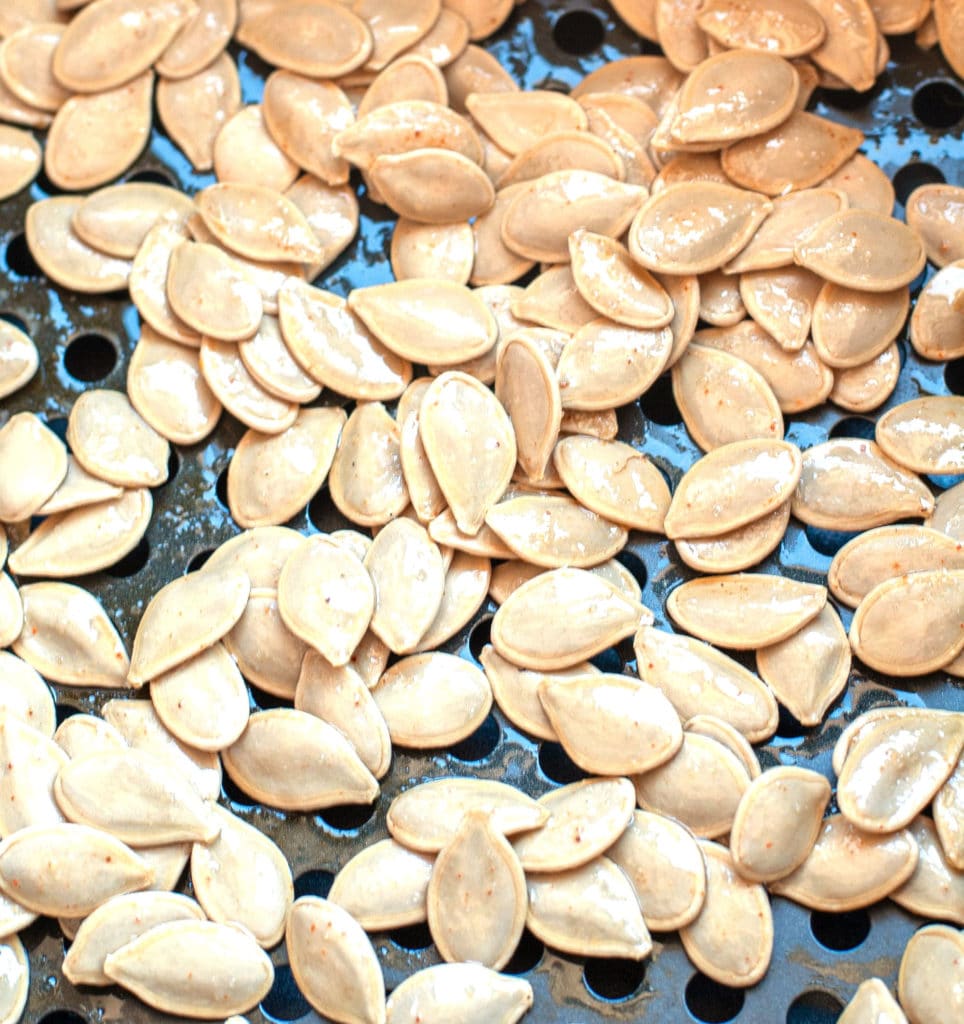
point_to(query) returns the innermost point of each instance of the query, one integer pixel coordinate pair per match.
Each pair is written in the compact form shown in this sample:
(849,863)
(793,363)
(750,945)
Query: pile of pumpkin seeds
(663,192)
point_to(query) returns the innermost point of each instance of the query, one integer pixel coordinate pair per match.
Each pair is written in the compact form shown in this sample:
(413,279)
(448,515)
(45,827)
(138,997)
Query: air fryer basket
(913,120)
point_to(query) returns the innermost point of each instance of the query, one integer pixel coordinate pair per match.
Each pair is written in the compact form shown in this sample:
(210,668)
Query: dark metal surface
(914,131)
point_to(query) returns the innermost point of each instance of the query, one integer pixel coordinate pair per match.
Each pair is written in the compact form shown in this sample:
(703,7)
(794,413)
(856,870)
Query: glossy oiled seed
(925,434)
(745,408)
(612,725)
(432,186)
(201,40)
(809,669)
(161,968)
(848,868)
(583,820)
(850,484)
(270,362)
(588,911)
(68,638)
(86,539)
(517,120)
(148,280)
(33,463)
(184,617)
(445,251)
(426,817)
(115,220)
(928,984)
(698,679)
(19,160)
(737,549)
(26,65)
(935,324)
(936,213)
(935,889)
(68,870)
(243,876)
(781,301)
(333,962)
(735,956)
(476,896)
(745,611)
(790,28)
(597,614)
(777,822)
(461,994)
(19,360)
(851,327)
(293,761)
(326,597)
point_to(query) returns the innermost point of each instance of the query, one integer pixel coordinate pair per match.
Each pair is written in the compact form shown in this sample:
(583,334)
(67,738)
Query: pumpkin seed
(244,153)
(516,120)
(553,301)
(636,166)
(201,40)
(134,795)
(261,553)
(426,817)
(935,322)
(475,70)
(777,822)
(802,152)
(167,389)
(720,301)
(94,138)
(745,611)
(116,220)
(26,789)
(25,696)
(139,724)
(19,159)
(333,962)
(26,65)
(237,390)
(19,360)
(16,979)
(85,540)
(701,786)
(851,327)
(563,150)
(78,488)
(160,968)
(746,407)
(68,638)
(925,434)
(87,734)
(848,869)
(115,923)
(194,109)
(341,697)
(62,256)
(459,993)
(936,213)
(545,211)
(697,678)
(33,463)
(948,810)
(458,691)
(332,212)
(607,364)
(869,385)
(203,701)
(738,959)
(886,552)
(294,761)
(781,301)
(651,79)
(793,217)
(466,585)
(790,28)
(809,669)
(584,819)
(598,615)
(14,918)
(872,1002)
(445,251)
(68,870)
(738,549)
(928,984)
(637,716)
(410,184)
(14,110)
(476,897)
(850,484)
(588,911)
(148,280)
(184,617)
(935,889)
(243,876)
(384,886)
(412,76)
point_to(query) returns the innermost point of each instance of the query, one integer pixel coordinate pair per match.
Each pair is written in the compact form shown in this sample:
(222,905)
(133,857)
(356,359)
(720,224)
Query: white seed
(460,994)
(27,787)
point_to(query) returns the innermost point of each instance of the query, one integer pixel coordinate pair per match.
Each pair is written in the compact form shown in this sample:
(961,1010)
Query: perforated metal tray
(914,122)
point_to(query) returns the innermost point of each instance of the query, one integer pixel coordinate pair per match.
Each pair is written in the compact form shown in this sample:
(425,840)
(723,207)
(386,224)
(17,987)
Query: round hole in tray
(840,932)
(527,954)
(62,1017)
(826,542)
(284,1001)
(849,99)
(814,1007)
(557,765)
(198,559)
(711,1002)
(18,258)
(16,321)
(613,978)
(414,937)
(608,661)
(938,104)
(788,728)
(578,32)
(234,793)
(316,882)
(659,403)
(65,711)
(221,487)
(480,635)
(912,176)
(631,561)
(481,743)
(854,426)
(954,376)
(348,817)
(58,425)
(132,562)
(90,357)
(153,176)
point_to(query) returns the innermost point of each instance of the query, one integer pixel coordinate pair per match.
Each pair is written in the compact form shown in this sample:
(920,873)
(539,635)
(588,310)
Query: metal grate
(914,123)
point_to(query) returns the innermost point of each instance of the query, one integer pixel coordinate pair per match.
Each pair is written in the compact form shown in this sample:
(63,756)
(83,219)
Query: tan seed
(461,993)
(411,184)
(872,1002)
(517,120)
(851,327)
(936,213)
(27,789)
(33,463)
(553,301)
(445,251)
(782,302)
(928,984)
(19,360)
(790,28)
(116,219)
(935,889)
(925,434)
(26,696)
(737,549)
(865,387)
(935,324)
(234,386)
